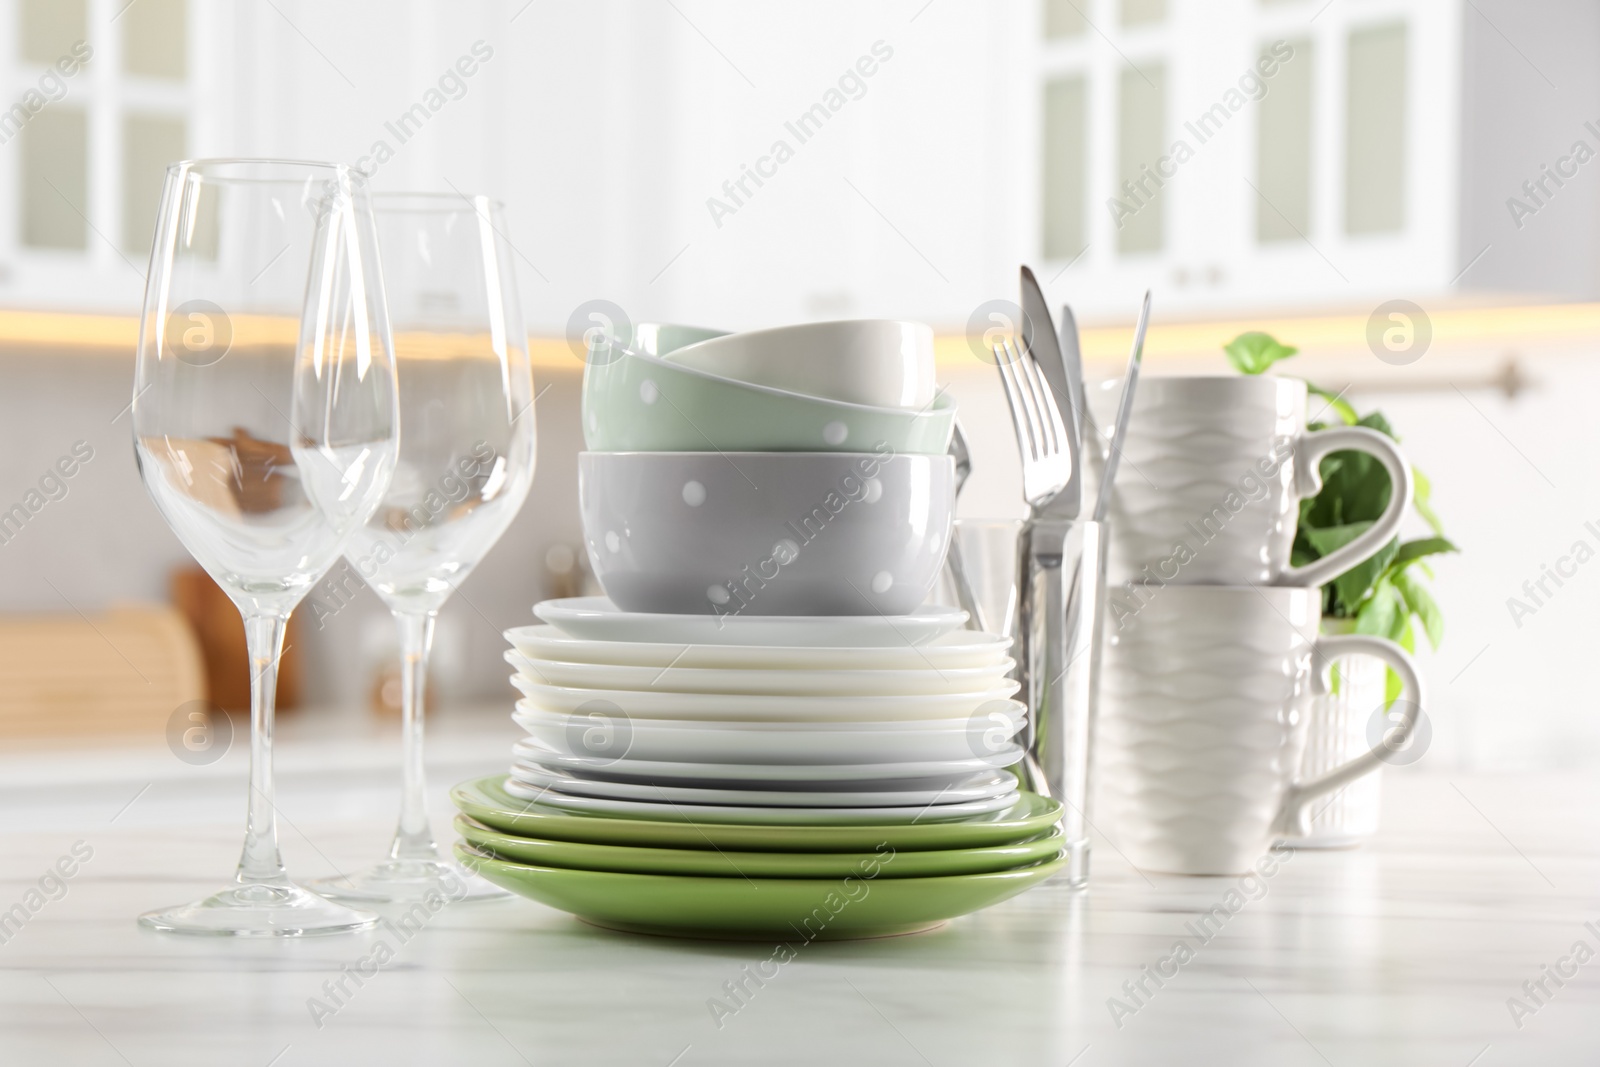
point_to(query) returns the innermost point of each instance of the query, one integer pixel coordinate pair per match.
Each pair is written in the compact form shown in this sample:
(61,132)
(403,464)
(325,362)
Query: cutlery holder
(1061,684)
(1062,700)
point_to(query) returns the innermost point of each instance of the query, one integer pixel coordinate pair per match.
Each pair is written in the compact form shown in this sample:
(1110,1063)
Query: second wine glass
(466,461)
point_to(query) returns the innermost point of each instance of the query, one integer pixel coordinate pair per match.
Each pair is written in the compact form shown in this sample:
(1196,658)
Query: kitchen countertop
(1402,952)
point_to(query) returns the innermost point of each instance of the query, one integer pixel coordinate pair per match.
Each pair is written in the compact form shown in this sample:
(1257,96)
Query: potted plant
(1387,596)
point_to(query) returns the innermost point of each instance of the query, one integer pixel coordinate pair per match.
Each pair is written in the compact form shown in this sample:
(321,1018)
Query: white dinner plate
(598,619)
(678,741)
(768,816)
(791,775)
(742,707)
(962,648)
(972,787)
(760,682)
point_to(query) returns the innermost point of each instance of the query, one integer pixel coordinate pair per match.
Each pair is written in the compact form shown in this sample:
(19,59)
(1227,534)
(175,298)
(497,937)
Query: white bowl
(861,361)
(659,338)
(740,534)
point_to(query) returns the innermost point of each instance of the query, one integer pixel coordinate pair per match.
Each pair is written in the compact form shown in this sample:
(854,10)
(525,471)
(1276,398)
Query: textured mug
(1213,472)
(1203,708)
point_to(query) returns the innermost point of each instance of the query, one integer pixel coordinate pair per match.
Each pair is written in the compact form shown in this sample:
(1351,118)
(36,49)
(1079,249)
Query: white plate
(741,707)
(972,787)
(761,682)
(812,775)
(962,648)
(761,816)
(596,618)
(677,741)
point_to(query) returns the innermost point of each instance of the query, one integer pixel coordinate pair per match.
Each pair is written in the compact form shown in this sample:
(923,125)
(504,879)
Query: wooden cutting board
(121,671)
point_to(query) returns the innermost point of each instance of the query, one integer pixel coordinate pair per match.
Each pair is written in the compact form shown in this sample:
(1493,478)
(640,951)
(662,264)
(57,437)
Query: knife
(1072,361)
(1046,351)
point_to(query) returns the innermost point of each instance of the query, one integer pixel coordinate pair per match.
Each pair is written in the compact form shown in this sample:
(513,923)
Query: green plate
(793,910)
(626,859)
(487,802)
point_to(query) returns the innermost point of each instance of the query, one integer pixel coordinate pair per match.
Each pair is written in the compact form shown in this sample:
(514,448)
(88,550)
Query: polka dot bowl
(634,402)
(766,533)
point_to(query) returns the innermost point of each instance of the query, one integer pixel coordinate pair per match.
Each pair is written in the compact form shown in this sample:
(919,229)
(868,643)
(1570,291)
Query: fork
(1041,432)
(1044,627)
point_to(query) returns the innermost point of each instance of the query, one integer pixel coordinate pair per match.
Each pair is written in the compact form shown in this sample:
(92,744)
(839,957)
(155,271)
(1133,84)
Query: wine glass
(265,425)
(465,464)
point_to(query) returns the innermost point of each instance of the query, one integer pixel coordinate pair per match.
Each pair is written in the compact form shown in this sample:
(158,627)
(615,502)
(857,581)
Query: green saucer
(625,859)
(791,911)
(488,803)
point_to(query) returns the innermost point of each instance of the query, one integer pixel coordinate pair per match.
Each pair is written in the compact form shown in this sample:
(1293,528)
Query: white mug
(1212,475)
(1202,719)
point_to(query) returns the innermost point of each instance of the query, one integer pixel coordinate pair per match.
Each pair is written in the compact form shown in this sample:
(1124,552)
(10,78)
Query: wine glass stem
(413,838)
(261,862)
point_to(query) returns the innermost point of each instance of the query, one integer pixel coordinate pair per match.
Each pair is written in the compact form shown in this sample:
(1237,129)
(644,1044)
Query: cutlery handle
(1062,609)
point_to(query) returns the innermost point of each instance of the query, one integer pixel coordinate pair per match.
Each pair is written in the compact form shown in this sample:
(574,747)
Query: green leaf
(1412,551)
(1422,500)
(1383,614)
(1354,585)
(1337,403)
(1374,420)
(1329,539)
(1391,681)
(1420,602)
(1355,485)
(1254,352)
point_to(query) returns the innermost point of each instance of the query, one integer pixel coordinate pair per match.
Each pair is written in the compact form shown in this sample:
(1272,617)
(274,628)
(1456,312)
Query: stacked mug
(1214,653)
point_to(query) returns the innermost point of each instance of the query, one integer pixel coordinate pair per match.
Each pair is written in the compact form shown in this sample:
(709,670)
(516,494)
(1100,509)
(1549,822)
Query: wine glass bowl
(266,428)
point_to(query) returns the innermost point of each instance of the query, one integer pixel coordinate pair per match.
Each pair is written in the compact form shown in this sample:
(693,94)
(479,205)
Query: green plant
(1384,595)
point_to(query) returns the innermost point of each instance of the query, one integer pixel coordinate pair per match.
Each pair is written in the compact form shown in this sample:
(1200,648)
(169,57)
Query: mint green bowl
(638,403)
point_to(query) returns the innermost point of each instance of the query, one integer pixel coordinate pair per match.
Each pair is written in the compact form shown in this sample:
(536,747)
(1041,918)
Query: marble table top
(1466,933)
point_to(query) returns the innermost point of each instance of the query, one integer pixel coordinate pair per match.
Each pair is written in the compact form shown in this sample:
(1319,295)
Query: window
(154,41)
(93,149)
(55,179)
(1142,12)
(149,143)
(1063,18)
(1065,168)
(1141,133)
(1283,149)
(49,28)
(1375,130)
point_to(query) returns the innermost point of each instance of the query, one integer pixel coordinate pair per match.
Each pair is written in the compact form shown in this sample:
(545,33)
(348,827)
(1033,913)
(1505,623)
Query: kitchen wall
(607,128)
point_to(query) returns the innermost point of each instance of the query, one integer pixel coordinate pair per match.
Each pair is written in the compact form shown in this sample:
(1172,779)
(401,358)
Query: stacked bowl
(712,485)
(761,729)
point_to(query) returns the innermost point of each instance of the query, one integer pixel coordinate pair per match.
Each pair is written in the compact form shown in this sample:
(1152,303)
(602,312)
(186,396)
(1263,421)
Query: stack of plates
(675,765)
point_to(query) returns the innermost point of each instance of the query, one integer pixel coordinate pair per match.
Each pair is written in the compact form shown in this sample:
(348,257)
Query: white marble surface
(1403,952)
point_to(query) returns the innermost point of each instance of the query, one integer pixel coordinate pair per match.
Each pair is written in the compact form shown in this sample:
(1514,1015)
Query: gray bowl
(766,533)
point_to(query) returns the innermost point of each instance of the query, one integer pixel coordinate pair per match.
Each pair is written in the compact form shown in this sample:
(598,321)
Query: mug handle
(1293,816)
(1308,453)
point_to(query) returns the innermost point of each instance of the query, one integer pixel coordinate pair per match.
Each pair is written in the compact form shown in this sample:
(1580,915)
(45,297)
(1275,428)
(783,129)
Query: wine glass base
(404,881)
(271,909)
